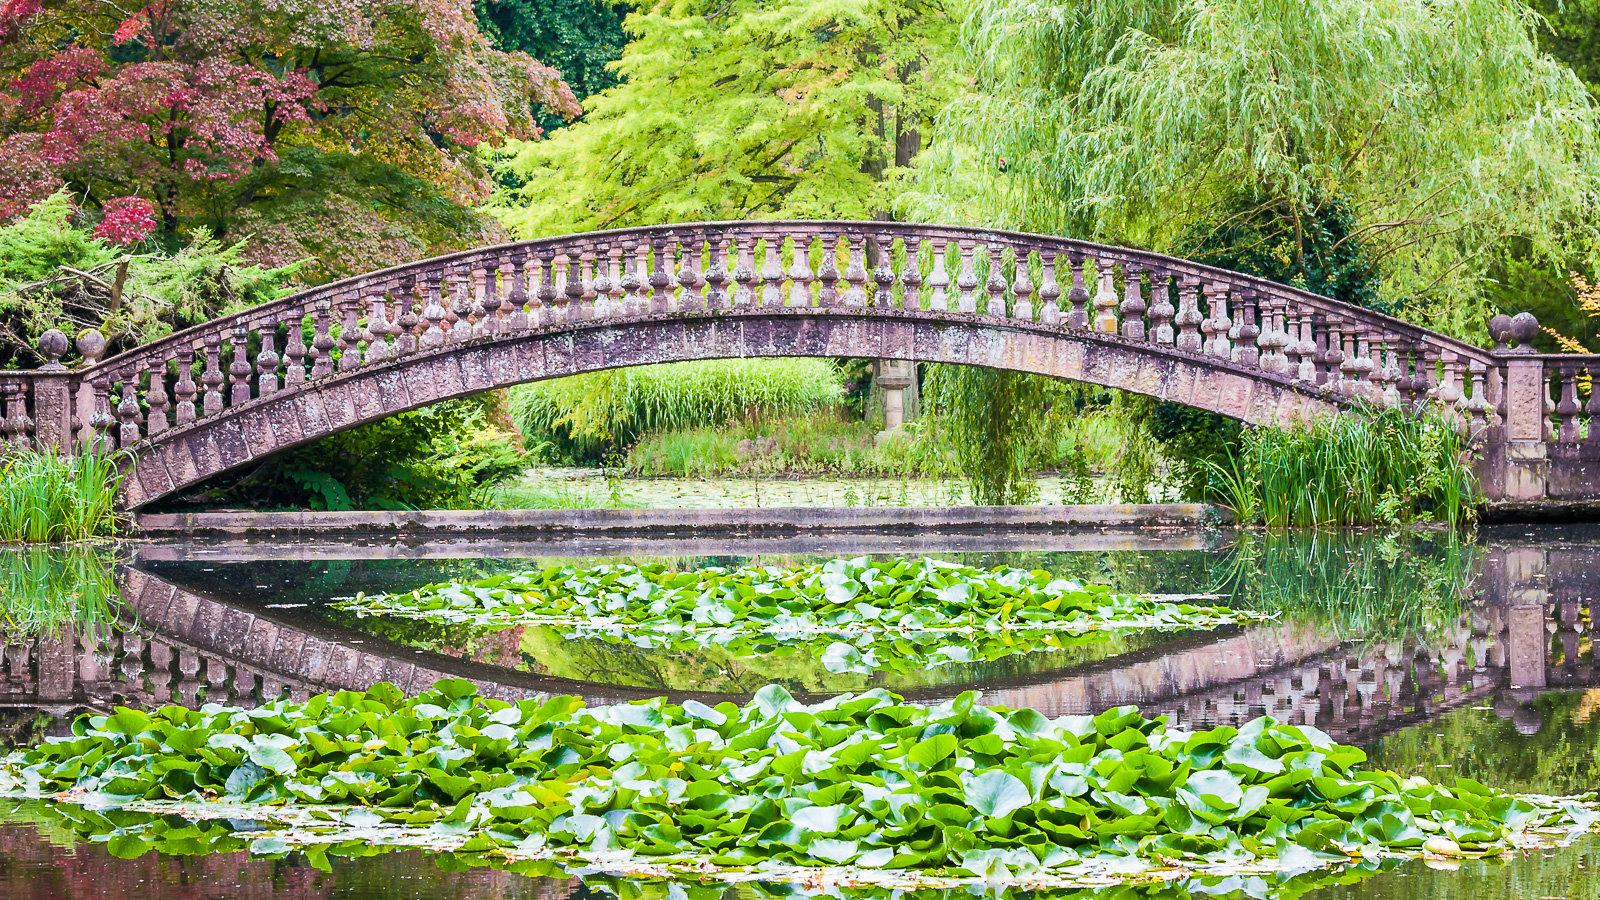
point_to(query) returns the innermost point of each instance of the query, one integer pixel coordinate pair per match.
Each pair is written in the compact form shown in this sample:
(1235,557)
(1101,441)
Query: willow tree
(735,109)
(1437,126)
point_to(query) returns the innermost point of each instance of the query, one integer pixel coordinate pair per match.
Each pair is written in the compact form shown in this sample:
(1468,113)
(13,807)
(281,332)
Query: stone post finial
(1500,331)
(1523,328)
(91,344)
(53,344)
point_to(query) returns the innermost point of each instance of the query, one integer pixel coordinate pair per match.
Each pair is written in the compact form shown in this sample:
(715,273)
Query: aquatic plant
(46,497)
(861,780)
(875,611)
(1368,467)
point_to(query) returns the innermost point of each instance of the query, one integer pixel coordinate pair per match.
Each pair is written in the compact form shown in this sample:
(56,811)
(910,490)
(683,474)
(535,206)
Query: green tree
(1440,128)
(743,109)
(577,37)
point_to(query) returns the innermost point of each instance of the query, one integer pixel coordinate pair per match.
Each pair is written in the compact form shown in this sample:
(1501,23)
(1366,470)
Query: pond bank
(660,521)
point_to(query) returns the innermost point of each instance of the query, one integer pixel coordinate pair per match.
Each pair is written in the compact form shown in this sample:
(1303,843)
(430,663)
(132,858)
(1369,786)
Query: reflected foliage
(43,590)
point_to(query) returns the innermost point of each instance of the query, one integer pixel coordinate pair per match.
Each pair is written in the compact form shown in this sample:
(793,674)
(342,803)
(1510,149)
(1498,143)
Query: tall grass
(45,497)
(608,410)
(1367,467)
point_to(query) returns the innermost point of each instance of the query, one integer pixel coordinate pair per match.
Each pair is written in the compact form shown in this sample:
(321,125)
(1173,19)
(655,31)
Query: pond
(1440,657)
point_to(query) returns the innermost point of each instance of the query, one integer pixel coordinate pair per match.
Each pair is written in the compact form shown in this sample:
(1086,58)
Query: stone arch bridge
(226,393)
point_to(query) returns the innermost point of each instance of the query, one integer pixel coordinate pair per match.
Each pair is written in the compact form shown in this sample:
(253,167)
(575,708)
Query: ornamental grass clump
(45,497)
(861,780)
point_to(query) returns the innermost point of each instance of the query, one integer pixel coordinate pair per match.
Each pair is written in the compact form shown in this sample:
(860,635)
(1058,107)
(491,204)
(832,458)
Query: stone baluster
(406,319)
(128,411)
(1591,409)
(1350,366)
(966,282)
(1247,353)
(607,277)
(1161,308)
(11,433)
(828,270)
(461,307)
(376,331)
(433,314)
(1429,374)
(351,334)
(1217,303)
(101,421)
(486,306)
(1291,318)
(1391,371)
(1308,347)
(566,304)
(939,279)
(184,389)
(1133,305)
(995,284)
(212,377)
(883,274)
(267,361)
(1449,395)
(239,369)
(156,398)
(800,273)
(1105,298)
(717,275)
(744,272)
(1478,406)
(1078,294)
(692,299)
(636,281)
(911,297)
(661,280)
(1567,407)
(1271,341)
(1022,287)
(525,309)
(1363,365)
(582,308)
(855,273)
(1049,291)
(1188,318)
(772,273)
(1330,353)
(296,351)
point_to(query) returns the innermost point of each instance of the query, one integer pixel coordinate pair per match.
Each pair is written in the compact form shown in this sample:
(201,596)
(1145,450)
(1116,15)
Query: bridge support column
(1517,467)
(894,376)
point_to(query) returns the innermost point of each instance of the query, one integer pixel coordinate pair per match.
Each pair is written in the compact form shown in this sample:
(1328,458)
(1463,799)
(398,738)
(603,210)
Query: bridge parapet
(1145,306)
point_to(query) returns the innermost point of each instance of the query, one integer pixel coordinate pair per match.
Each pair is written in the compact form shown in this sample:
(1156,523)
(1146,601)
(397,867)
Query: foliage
(820,443)
(579,38)
(1440,128)
(450,455)
(45,497)
(895,614)
(586,415)
(743,109)
(291,121)
(1370,467)
(43,590)
(996,425)
(55,275)
(1194,442)
(859,779)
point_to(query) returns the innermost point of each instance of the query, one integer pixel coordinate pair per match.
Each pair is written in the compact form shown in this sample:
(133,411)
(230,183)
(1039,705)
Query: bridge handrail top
(773,227)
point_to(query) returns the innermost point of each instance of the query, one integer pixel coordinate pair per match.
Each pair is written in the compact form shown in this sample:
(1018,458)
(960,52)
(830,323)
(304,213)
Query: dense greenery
(452,455)
(47,497)
(57,273)
(860,614)
(859,779)
(577,37)
(44,589)
(1374,467)
(587,417)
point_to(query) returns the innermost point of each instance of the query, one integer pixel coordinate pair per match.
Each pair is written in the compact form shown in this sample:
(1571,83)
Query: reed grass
(46,498)
(611,409)
(1367,467)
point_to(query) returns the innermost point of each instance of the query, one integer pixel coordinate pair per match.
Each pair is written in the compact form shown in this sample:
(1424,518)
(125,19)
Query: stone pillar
(1518,468)
(54,387)
(894,376)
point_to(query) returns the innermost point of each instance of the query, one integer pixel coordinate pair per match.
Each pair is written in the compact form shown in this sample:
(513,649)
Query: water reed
(46,498)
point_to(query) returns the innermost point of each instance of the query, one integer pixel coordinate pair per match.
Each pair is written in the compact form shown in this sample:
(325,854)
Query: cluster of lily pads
(862,781)
(875,614)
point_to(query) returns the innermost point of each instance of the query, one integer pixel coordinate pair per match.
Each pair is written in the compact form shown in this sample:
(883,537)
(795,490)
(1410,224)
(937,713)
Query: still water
(1441,657)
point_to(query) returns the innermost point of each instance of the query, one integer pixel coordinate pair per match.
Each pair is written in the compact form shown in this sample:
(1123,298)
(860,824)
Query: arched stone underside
(179,458)
(225,393)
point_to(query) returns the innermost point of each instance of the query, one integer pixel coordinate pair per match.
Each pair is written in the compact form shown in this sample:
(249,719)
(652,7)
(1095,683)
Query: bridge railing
(1003,278)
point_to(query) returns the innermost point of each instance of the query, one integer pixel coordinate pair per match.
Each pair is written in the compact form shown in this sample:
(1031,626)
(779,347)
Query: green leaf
(931,752)
(996,794)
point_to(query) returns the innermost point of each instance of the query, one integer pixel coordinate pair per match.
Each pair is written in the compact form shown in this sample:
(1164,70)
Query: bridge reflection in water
(1359,651)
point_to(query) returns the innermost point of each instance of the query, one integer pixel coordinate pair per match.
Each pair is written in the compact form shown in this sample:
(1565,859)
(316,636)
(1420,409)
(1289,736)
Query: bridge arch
(229,392)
